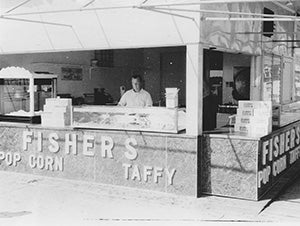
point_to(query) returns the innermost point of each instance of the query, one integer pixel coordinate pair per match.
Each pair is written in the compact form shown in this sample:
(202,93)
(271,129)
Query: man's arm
(123,101)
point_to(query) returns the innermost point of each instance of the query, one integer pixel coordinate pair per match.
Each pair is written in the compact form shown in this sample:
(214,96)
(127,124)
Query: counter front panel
(229,166)
(134,159)
(248,167)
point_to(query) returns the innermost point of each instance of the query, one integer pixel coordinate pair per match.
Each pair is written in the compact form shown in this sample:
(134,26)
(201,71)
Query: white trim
(220,12)
(285,7)
(249,19)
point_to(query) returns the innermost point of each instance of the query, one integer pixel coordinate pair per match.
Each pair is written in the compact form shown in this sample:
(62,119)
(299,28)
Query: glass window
(272,78)
(297,79)
(14,96)
(287,81)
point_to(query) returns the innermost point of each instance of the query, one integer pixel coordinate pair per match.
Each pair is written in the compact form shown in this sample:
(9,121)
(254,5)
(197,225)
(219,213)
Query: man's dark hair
(137,77)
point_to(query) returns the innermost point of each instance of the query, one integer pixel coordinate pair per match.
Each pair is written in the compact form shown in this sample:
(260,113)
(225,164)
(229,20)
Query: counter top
(228,132)
(70,128)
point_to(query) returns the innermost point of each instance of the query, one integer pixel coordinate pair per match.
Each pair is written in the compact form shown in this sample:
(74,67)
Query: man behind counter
(137,96)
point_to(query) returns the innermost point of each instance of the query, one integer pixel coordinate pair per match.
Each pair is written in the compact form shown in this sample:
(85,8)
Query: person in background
(102,97)
(210,107)
(137,96)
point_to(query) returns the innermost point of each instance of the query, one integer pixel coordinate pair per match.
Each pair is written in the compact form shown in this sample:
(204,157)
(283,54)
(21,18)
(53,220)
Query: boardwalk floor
(33,200)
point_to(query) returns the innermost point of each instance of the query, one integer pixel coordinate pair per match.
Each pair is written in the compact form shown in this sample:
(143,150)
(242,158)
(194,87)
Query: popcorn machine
(23,94)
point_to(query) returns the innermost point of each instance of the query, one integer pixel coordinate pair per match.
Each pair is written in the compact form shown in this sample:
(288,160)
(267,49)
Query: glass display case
(23,94)
(151,119)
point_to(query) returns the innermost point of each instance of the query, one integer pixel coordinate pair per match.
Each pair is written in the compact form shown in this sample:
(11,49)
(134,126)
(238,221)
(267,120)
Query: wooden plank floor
(285,207)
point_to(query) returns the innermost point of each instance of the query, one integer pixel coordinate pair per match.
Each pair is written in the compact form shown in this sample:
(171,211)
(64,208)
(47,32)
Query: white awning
(66,25)
(60,25)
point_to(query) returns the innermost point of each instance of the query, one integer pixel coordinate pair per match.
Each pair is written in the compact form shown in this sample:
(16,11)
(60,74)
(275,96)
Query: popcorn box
(50,119)
(253,112)
(255,104)
(253,119)
(51,108)
(57,112)
(253,129)
(172,102)
(58,101)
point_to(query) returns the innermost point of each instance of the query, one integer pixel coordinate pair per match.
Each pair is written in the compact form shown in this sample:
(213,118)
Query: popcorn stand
(192,63)
(135,147)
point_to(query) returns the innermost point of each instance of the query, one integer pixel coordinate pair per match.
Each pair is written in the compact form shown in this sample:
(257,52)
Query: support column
(31,96)
(194,87)
(256,78)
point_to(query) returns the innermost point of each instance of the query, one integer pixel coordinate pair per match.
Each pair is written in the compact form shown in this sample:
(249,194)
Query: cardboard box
(59,101)
(267,105)
(51,108)
(50,119)
(172,102)
(253,119)
(253,112)
(57,112)
(172,97)
(253,129)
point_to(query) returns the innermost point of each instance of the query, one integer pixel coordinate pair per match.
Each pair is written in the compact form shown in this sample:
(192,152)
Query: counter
(154,161)
(239,166)
(220,162)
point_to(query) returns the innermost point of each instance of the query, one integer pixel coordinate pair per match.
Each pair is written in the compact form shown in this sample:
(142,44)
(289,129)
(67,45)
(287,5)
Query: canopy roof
(56,25)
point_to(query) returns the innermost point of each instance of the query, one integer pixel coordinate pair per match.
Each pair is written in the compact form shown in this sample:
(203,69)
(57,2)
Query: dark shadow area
(287,188)
(205,162)
(199,166)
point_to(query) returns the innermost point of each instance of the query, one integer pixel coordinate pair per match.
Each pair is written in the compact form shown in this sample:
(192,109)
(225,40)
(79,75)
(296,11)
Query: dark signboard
(278,152)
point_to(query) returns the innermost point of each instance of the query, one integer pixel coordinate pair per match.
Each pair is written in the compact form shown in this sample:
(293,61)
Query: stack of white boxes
(172,97)
(57,112)
(254,118)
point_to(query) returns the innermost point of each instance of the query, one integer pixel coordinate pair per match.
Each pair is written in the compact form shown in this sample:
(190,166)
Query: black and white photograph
(149,112)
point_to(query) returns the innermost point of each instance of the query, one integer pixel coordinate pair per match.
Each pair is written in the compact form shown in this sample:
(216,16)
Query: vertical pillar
(256,78)
(31,96)
(54,85)
(194,87)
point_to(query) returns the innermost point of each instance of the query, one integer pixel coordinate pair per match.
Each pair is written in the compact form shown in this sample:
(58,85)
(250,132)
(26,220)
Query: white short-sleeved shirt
(136,99)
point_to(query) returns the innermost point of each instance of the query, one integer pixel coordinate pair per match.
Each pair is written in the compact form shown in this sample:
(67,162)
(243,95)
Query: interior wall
(151,73)
(109,78)
(126,62)
(175,75)
(229,62)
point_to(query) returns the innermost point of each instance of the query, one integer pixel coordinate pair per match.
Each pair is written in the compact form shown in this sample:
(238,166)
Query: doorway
(212,87)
